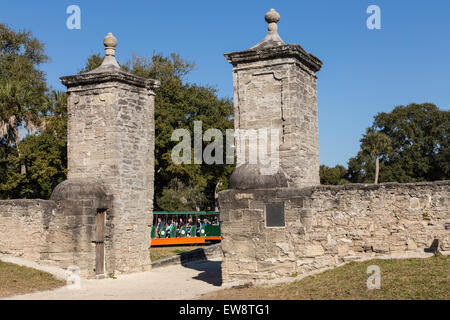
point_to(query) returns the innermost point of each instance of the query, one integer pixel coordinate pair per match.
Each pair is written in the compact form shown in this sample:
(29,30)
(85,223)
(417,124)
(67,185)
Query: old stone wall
(102,214)
(59,232)
(24,227)
(329,225)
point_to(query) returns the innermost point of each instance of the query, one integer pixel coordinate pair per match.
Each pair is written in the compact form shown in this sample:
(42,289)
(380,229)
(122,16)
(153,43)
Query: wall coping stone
(248,176)
(79,188)
(115,75)
(351,186)
(284,51)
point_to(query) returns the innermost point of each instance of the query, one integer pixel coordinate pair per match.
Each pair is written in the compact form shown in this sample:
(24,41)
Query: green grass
(15,279)
(157,253)
(402,279)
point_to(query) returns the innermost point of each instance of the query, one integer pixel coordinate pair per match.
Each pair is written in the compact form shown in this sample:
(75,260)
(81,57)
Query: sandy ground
(179,282)
(171,282)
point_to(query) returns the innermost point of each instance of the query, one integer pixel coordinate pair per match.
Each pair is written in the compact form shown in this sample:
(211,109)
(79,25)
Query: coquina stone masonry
(328,225)
(284,223)
(60,231)
(111,139)
(99,219)
(275,87)
(23,225)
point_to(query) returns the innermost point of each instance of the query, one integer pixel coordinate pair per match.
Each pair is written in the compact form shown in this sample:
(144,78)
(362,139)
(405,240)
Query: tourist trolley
(185,234)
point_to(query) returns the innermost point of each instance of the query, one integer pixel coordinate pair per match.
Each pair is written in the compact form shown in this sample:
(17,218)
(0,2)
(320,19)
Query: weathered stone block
(313,250)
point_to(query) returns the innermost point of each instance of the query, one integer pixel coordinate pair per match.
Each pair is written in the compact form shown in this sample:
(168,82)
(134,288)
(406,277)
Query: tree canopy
(415,147)
(42,162)
(33,166)
(23,84)
(333,176)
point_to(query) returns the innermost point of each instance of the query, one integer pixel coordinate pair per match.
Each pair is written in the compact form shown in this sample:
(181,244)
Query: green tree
(419,146)
(376,144)
(22,101)
(178,197)
(44,155)
(92,62)
(333,176)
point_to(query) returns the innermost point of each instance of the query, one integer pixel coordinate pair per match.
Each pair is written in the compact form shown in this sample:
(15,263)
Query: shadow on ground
(434,248)
(211,271)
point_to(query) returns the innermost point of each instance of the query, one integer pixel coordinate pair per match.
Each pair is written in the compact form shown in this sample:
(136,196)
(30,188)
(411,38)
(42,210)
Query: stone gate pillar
(111,139)
(275,87)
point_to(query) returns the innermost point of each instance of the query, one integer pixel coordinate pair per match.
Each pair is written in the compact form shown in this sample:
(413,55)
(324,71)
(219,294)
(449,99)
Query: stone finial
(110,43)
(272,38)
(272,17)
(109,61)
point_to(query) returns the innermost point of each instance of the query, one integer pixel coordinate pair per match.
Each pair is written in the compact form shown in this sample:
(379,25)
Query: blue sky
(364,71)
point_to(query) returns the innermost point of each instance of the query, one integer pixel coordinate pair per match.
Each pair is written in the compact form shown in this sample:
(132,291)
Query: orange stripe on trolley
(214,238)
(179,241)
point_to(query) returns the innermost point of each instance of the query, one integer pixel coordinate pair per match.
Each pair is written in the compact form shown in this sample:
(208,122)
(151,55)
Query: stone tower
(275,87)
(111,139)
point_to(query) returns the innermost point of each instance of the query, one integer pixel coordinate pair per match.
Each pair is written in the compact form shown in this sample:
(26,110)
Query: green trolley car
(185,227)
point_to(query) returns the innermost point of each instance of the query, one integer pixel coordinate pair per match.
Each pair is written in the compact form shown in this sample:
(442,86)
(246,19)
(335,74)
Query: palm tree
(376,144)
(14,116)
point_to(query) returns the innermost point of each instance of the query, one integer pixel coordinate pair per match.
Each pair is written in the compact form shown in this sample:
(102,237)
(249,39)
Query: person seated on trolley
(169,228)
(179,226)
(159,226)
(199,226)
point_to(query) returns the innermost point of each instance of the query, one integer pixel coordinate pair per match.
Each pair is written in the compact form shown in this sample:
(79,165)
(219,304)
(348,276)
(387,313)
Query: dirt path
(183,282)
(172,282)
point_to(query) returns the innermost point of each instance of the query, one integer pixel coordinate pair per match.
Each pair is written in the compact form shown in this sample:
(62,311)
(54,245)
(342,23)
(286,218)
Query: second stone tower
(275,87)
